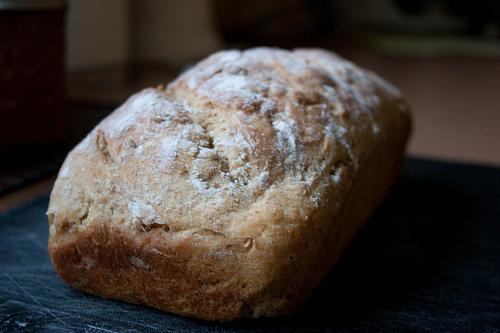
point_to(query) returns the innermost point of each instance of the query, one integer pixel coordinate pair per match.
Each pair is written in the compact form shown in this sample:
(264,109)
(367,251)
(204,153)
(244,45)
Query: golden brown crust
(219,196)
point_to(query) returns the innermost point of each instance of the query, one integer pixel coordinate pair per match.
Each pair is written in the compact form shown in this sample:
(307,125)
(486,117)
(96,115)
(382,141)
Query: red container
(32,73)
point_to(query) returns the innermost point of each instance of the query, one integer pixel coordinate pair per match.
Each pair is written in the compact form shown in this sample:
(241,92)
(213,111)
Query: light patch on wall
(97,34)
(173,32)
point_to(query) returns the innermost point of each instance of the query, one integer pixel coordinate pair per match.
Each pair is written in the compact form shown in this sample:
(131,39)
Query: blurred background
(64,65)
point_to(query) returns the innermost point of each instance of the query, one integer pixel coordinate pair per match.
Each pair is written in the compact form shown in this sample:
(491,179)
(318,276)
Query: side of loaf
(234,190)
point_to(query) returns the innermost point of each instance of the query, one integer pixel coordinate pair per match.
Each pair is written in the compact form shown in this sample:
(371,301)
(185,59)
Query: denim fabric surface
(428,261)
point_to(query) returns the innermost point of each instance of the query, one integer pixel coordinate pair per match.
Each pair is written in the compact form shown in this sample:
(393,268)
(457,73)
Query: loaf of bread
(234,190)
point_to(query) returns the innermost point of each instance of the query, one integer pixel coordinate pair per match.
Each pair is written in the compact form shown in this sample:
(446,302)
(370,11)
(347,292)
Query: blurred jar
(32,73)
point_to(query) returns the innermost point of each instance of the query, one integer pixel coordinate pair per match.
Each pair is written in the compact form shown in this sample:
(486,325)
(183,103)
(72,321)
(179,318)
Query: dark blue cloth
(428,261)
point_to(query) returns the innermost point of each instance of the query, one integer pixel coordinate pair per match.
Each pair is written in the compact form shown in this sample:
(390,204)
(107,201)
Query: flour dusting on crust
(231,128)
(232,191)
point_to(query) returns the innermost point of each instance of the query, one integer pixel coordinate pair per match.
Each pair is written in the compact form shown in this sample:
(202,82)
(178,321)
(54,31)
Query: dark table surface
(428,261)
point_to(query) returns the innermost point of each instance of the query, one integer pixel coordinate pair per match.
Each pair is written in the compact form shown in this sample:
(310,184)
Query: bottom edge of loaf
(136,284)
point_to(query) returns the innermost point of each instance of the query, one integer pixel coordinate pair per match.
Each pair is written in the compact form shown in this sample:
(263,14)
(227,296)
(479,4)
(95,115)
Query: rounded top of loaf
(231,192)
(230,137)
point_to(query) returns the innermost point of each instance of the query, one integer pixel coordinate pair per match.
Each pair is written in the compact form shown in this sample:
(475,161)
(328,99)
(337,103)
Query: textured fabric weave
(428,261)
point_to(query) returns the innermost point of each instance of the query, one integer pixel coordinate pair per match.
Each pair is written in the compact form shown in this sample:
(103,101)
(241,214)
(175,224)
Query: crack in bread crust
(232,191)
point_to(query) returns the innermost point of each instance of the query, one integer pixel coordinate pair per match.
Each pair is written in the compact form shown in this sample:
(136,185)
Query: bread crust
(234,190)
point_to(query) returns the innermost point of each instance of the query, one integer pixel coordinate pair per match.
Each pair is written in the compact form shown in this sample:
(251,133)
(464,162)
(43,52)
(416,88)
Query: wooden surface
(26,194)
